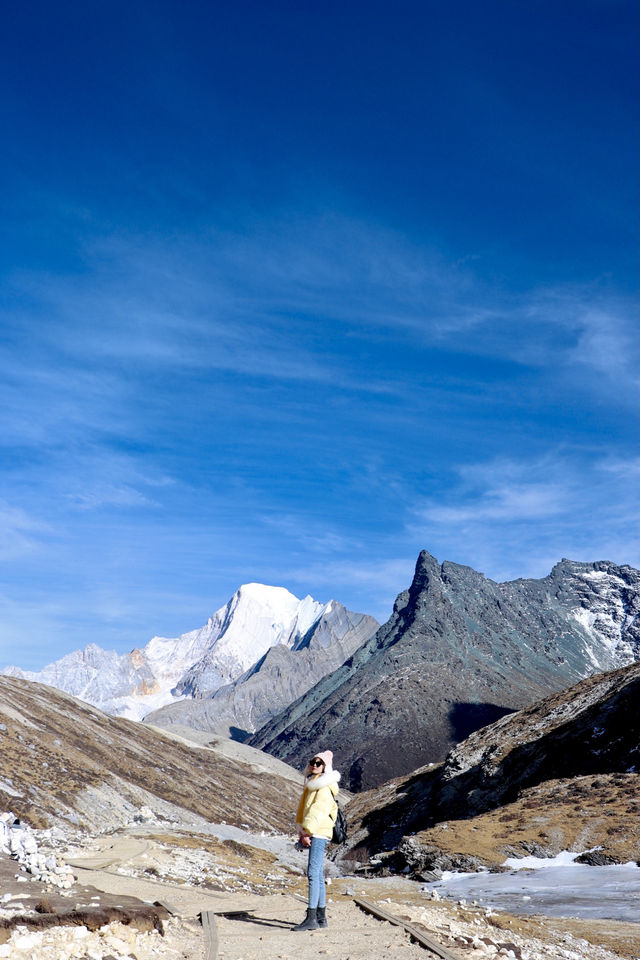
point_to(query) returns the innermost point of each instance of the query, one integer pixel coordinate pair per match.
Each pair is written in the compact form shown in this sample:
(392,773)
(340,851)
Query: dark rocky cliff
(459,652)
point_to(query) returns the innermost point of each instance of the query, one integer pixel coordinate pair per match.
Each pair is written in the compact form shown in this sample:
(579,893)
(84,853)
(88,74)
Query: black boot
(321,914)
(310,922)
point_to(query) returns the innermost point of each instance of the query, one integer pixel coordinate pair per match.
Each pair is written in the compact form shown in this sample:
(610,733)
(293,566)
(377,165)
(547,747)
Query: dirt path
(351,935)
(122,850)
(267,931)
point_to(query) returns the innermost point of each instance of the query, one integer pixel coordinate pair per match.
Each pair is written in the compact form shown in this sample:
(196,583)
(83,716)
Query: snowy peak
(255,619)
(608,609)
(194,664)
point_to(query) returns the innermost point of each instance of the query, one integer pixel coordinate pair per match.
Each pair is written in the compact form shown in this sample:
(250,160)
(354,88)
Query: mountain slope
(563,773)
(64,762)
(458,652)
(197,663)
(276,680)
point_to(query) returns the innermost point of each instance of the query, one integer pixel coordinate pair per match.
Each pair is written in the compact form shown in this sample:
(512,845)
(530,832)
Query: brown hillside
(64,761)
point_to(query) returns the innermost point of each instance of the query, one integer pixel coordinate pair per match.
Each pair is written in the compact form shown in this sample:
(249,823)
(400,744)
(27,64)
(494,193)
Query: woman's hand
(305,839)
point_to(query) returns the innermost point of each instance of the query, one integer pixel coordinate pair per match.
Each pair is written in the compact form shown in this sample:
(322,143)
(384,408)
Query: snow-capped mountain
(195,664)
(278,678)
(254,620)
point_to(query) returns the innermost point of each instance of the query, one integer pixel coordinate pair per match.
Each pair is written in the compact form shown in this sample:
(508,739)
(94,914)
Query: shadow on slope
(466,718)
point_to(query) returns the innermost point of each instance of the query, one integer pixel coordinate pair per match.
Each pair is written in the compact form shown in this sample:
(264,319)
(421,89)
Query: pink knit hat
(327,758)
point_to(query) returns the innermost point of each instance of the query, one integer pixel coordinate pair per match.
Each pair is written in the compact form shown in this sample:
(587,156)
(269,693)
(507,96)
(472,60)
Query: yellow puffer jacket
(318,807)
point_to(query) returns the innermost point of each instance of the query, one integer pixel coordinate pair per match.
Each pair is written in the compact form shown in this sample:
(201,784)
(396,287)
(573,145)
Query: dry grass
(557,815)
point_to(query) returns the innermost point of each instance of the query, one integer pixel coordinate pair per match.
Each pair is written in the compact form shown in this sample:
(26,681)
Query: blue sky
(291,291)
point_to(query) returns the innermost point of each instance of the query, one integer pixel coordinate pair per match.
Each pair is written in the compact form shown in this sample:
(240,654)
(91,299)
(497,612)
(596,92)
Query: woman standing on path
(317,813)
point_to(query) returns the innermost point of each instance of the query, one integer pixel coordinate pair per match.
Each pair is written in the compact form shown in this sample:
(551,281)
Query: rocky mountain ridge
(563,773)
(458,652)
(196,664)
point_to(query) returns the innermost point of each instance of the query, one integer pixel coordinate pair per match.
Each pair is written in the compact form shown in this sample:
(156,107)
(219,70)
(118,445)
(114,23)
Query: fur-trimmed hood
(325,779)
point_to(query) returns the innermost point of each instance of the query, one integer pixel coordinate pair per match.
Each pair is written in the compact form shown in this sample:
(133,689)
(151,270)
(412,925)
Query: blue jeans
(317,893)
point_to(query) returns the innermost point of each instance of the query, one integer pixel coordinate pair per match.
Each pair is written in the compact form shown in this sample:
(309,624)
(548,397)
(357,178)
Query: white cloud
(505,501)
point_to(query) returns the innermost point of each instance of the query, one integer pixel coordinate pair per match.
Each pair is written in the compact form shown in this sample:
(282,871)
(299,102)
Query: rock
(144,815)
(595,858)
(29,844)
(23,847)
(414,858)
(512,950)
(27,942)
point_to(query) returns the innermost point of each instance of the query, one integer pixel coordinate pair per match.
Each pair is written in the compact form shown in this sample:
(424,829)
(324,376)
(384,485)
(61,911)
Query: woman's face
(316,766)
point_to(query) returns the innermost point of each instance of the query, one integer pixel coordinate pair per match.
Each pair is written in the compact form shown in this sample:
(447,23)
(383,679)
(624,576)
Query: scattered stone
(595,858)
(17,839)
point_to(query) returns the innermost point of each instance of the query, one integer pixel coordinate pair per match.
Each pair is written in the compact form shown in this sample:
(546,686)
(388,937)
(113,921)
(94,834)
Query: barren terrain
(110,911)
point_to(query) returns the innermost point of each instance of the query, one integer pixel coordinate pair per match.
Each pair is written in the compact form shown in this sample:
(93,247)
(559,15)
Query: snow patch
(562,859)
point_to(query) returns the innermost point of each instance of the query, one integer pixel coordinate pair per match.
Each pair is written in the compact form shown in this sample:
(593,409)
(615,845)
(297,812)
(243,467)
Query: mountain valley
(490,699)
(562,774)
(144,815)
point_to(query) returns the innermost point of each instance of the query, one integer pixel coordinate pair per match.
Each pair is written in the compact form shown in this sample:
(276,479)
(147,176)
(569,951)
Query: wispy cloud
(589,327)
(20,533)
(261,302)
(505,501)
(515,518)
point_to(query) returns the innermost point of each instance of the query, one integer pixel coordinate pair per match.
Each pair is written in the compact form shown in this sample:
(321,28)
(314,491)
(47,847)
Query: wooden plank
(418,935)
(208,920)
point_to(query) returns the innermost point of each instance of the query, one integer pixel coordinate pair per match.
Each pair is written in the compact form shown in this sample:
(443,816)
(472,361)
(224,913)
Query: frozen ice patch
(556,888)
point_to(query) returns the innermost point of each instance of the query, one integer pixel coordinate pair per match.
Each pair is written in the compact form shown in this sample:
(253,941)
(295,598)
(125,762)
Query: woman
(316,816)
